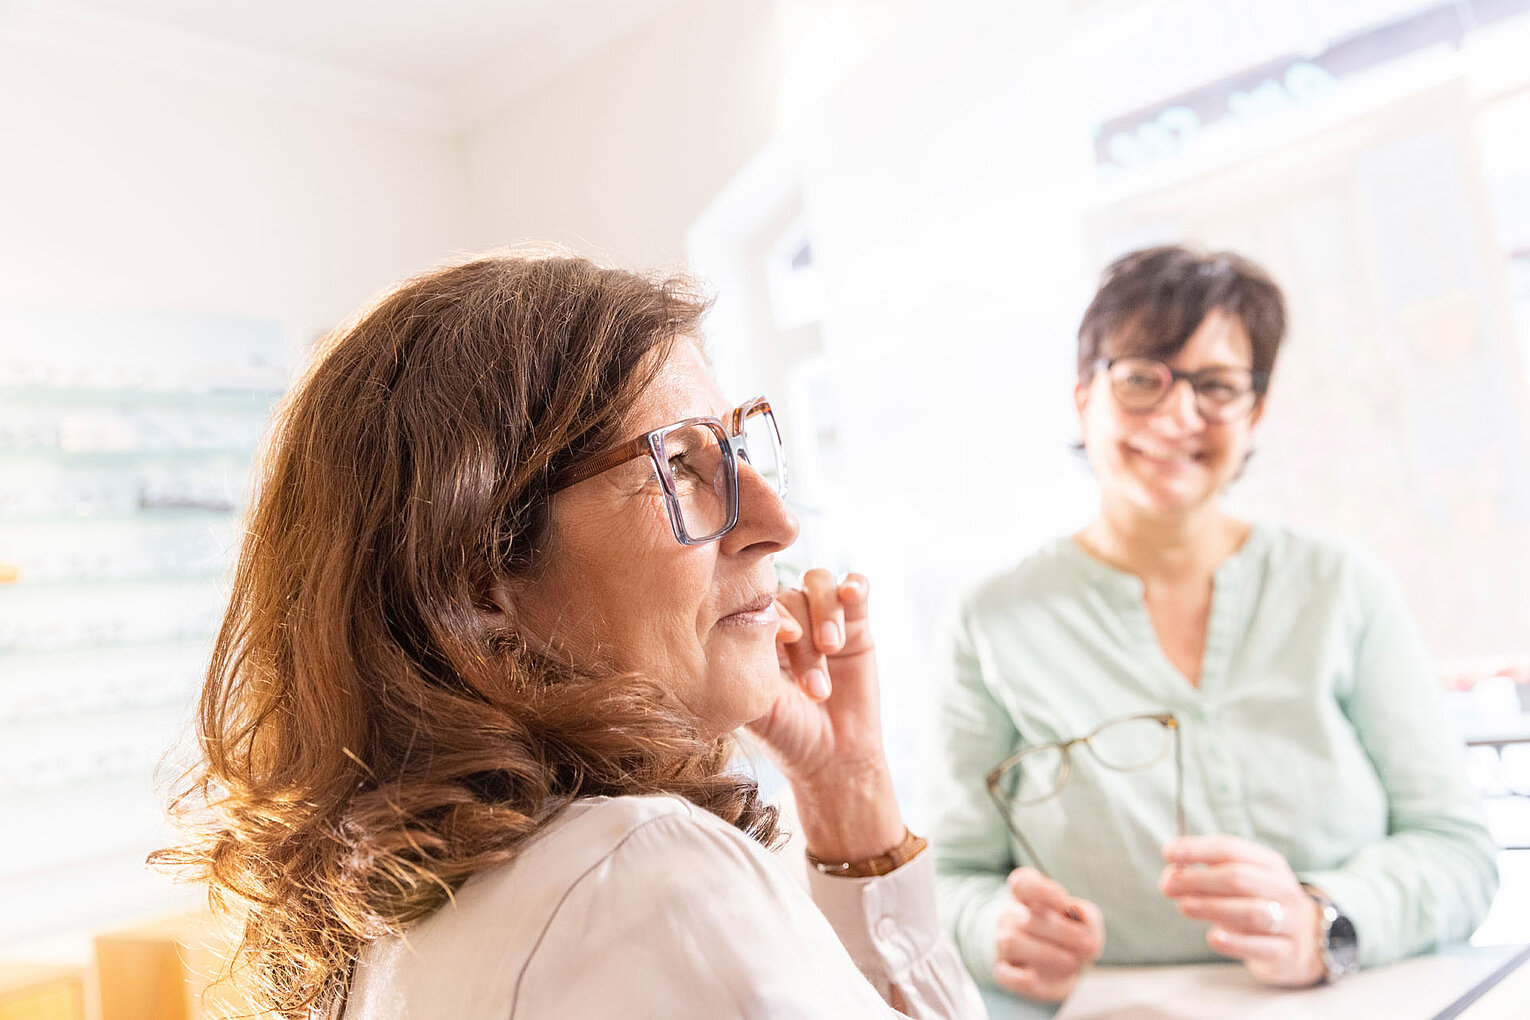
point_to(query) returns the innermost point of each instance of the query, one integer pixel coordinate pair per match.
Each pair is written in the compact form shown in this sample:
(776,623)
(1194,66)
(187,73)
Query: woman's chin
(1168,495)
(743,688)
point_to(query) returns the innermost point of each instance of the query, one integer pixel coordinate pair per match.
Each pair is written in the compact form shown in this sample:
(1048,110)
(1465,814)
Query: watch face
(1343,950)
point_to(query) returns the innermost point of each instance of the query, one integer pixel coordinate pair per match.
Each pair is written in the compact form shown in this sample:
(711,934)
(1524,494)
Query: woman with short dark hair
(1176,735)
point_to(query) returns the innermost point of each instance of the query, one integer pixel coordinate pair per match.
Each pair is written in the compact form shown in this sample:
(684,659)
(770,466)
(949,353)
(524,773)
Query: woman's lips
(759,612)
(1164,456)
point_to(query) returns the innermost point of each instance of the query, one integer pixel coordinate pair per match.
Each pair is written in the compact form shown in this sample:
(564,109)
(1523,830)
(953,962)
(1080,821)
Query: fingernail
(857,589)
(828,634)
(817,684)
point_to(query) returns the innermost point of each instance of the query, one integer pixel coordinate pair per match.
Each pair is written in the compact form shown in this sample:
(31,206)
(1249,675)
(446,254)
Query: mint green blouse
(1318,729)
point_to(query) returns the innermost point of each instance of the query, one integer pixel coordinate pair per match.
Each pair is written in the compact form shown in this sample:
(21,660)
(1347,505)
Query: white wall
(944,192)
(165,189)
(618,152)
(124,184)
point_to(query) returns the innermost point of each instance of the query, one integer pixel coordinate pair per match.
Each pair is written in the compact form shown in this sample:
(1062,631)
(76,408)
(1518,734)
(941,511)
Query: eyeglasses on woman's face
(696,461)
(1039,772)
(1223,393)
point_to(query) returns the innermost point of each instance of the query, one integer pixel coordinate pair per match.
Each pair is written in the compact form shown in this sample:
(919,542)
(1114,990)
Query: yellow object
(9,572)
(165,970)
(40,992)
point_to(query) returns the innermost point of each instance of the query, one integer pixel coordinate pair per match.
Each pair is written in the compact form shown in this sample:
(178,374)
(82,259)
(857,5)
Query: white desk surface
(1421,988)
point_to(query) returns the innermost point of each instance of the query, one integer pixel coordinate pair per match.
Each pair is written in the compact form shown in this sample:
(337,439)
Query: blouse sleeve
(891,930)
(689,918)
(1431,880)
(968,838)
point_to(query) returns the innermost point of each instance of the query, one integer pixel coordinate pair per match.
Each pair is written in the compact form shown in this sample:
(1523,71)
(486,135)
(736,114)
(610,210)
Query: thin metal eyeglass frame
(730,440)
(1258,383)
(1166,719)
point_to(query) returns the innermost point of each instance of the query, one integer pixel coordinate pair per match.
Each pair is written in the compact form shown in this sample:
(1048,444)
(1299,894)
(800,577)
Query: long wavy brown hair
(368,741)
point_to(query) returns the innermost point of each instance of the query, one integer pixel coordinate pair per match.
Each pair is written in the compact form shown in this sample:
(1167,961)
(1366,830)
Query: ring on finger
(1277,916)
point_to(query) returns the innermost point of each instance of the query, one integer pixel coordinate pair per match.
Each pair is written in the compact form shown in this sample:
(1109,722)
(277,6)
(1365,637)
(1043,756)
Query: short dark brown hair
(1150,301)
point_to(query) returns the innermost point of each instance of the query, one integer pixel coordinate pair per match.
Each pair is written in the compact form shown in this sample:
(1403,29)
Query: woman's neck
(1169,547)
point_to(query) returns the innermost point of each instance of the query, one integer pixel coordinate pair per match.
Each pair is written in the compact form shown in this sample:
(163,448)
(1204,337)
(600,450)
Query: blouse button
(886,927)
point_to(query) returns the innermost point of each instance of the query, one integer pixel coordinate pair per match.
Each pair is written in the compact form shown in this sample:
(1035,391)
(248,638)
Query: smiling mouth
(1167,456)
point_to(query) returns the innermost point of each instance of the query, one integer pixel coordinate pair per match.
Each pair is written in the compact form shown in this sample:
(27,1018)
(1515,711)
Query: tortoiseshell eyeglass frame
(1165,719)
(730,439)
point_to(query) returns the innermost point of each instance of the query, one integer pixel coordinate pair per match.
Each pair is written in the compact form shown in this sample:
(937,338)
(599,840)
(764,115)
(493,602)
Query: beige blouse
(651,907)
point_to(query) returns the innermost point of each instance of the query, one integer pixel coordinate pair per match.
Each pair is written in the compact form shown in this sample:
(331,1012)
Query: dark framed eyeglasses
(1222,393)
(1039,772)
(696,462)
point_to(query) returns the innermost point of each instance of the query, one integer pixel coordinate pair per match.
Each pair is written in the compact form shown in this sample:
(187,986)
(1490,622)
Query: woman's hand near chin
(825,728)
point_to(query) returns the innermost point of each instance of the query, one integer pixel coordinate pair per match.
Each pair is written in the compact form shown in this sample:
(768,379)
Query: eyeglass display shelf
(147,577)
(144,515)
(23,719)
(88,457)
(185,399)
(203,639)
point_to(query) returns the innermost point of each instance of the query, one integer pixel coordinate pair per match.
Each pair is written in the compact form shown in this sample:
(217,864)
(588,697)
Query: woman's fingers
(1249,948)
(1239,914)
(1079,939)
(1258,911)
(1047,933)
(807,665)
(855,602)
(1028,982)
(1237,878)
(1041,953)
(1035,890)
(790,630)
(1024,949)
(822,619)
(826,614)
(1220,848)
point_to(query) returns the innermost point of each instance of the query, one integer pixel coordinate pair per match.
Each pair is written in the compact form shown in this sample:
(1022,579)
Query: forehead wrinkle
(679,391)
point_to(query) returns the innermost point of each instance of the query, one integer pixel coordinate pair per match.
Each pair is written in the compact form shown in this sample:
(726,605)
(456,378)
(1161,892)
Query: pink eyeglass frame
(730,439)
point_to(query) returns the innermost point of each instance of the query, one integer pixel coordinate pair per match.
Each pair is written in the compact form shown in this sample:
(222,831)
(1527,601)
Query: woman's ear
(1258,412)
(503,613)
(497,607)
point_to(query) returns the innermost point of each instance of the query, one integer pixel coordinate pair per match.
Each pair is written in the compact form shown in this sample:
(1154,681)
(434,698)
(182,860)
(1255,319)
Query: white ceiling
(423,42)
(469,54)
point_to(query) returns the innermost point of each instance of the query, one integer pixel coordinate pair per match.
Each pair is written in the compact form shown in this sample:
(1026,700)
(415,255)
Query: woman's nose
(1180,406)
(764,519)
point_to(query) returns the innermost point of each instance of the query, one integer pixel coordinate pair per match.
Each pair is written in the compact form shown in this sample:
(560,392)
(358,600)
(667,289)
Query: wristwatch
(871,867)
(1337,943)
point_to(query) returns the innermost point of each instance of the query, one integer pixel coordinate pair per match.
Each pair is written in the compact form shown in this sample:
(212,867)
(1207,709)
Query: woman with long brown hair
(506,593)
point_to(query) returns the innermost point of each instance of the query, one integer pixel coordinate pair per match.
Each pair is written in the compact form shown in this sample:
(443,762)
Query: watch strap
(871,867)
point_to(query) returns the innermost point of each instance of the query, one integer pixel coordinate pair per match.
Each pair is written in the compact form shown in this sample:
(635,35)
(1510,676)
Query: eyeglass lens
(1221,394)
(1125,745)
(704,487)
(700,479)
